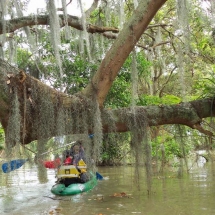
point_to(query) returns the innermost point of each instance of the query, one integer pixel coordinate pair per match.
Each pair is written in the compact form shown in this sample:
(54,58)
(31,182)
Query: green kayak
(76,188)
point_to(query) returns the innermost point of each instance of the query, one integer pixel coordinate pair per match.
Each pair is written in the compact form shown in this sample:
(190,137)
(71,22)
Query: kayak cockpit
(68,174)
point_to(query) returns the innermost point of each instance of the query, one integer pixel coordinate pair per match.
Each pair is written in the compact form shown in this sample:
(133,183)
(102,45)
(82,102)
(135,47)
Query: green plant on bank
(206,85)
(156,100)
(168,148)
(115,149)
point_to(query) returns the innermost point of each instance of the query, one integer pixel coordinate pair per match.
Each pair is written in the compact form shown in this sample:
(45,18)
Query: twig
(57,148)
(57,198)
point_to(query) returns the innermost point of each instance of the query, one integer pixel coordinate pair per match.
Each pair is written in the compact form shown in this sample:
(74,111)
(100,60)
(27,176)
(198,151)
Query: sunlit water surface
(26,191)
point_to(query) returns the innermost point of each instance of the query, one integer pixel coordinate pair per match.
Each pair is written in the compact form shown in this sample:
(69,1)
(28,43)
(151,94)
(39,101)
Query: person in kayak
(77,152)
(75,156)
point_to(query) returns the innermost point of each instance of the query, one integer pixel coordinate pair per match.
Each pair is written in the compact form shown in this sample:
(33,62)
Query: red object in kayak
(67,161)
(52,164)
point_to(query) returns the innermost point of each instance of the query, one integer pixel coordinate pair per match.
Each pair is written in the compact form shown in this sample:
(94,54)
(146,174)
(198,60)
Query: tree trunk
(122,47)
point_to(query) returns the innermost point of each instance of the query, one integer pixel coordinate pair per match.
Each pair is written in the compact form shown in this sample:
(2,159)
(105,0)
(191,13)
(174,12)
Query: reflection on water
(24,192)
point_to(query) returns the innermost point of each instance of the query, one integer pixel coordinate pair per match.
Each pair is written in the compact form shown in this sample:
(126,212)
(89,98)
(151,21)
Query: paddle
(13,165)
(16,164)
(99,176)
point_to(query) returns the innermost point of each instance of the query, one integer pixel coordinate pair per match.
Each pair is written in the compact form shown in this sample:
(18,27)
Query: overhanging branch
(189,113)
(73,21)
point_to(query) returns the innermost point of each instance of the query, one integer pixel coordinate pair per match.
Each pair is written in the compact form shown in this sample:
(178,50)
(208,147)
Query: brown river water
(26,191)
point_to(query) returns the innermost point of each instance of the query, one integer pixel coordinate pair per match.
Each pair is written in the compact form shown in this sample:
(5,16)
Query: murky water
(25,192)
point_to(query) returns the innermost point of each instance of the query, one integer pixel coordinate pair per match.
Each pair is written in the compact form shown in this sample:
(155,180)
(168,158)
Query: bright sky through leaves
(73,8)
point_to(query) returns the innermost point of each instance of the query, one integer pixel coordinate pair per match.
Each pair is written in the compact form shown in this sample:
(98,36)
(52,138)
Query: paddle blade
(12,165)
(99,176)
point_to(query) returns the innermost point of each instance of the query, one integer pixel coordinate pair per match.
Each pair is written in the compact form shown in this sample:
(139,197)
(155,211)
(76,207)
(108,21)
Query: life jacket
(72,171)
(67,161)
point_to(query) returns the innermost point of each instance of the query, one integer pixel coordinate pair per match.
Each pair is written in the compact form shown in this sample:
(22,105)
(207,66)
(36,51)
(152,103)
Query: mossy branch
(188,113)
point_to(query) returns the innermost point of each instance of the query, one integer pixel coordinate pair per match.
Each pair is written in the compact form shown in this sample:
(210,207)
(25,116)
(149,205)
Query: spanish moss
(55,32)
(134,80)
(14,122)
(85,33)
(183,22)
(67,28)
(3,12)
(121,14)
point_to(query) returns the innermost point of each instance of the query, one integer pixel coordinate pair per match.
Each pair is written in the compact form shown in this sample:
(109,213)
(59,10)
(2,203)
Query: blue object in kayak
(91,136)
(13,165)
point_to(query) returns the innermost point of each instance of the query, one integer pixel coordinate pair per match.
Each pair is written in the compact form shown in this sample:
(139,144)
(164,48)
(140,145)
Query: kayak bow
(76,188)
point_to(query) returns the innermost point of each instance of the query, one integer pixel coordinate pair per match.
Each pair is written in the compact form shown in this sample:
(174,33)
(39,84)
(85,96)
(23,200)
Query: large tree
(32,110)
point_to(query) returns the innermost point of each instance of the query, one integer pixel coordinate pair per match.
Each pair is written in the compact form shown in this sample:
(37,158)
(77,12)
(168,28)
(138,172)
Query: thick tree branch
(73,21)
(189,113)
